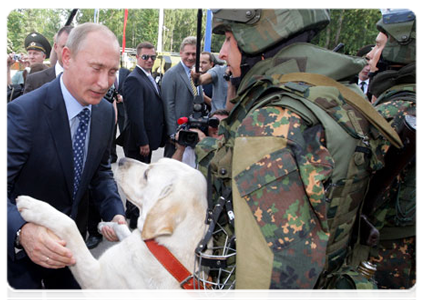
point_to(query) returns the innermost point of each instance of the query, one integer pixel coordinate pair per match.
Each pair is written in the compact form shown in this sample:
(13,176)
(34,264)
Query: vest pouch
(405,205)
(349,278)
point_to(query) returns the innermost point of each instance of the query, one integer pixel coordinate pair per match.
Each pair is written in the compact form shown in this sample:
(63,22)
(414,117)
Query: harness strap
(351,98)
(171,264)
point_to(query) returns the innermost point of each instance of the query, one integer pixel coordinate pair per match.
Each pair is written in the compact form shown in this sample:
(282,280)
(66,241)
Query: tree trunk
(327,37)
(338,31)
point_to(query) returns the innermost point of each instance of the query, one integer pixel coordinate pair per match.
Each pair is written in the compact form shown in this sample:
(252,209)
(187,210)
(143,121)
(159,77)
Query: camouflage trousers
(396,264)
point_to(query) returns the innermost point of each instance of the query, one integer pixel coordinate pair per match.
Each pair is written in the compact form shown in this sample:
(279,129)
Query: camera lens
(198,107)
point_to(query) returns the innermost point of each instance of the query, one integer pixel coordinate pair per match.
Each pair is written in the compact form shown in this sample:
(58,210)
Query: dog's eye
(146,174)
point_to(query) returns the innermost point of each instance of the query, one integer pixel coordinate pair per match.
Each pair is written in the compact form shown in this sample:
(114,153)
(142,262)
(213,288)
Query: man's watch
(18,244)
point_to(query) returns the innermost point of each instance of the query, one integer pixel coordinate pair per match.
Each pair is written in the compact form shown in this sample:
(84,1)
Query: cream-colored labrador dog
(172,201)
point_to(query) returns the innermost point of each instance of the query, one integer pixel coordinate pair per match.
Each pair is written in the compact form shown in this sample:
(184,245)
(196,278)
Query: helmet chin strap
(248,61)
(382,66)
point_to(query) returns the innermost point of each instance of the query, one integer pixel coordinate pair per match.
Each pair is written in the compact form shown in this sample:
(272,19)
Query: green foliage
(21,22)
(179,24)
(142,24)
(353,27)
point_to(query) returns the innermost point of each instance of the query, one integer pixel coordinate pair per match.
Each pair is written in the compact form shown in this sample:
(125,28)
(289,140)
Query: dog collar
(172,264)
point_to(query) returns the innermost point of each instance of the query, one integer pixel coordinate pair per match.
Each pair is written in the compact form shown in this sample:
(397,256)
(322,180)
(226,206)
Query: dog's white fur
(172,201)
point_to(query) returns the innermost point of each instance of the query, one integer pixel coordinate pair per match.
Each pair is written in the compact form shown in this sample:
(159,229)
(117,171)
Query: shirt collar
(187,70)
(73,107)
(366,81)
(58,69)
(145,72)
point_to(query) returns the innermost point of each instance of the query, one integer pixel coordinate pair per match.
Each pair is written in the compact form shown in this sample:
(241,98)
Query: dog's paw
(31,210)
(42,213)
(122,231)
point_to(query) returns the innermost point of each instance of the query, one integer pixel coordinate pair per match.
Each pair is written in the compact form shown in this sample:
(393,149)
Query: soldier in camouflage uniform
(296,154)
(393,64)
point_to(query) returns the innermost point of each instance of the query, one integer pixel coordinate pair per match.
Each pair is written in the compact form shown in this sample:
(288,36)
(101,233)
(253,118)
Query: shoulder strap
(398,92)
(351,98)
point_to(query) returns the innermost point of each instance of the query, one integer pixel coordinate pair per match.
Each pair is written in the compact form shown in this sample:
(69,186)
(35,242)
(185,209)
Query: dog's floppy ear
(161,218)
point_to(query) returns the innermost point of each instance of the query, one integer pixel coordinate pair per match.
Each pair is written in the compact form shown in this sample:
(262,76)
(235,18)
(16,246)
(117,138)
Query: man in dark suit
(34,81)
(362,79)
(44,161)
(121,114)
(145,127)
(177,90)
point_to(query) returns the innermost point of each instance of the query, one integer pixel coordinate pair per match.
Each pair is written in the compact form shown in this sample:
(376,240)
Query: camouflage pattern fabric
(396,264)
(278,164)
(274,25)
(290,211)
(395,219)
(401,31)
(349,278)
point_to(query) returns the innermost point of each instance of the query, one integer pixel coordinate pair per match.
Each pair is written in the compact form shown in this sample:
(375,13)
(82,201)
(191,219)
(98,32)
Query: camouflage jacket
(396,217)
(395,214)
(279,169)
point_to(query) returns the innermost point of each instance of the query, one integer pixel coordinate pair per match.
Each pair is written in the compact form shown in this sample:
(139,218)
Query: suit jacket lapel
(145,78)
(57,119)
(184,77)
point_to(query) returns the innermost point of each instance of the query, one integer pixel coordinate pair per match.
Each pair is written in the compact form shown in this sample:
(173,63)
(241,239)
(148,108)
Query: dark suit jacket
(35,80)
(177,96)
(40,161)
(123,73)
(368,94)
(144,108)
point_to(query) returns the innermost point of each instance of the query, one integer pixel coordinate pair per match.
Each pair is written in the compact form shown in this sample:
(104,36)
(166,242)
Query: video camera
(111,94)
(198,119)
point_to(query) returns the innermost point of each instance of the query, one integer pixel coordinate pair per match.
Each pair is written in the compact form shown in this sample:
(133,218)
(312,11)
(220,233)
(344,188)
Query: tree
(141,23)
(21,22)
(349,27)
(179,24)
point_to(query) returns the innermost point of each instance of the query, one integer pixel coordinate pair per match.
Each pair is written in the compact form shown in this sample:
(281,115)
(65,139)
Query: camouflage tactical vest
(399,213)
(351,140)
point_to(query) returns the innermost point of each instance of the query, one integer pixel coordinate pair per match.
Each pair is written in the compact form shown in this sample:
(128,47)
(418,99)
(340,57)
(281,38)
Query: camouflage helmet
(256,30)
(400,27)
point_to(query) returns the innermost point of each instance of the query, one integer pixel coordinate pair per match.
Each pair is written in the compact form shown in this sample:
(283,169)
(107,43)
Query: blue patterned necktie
(79,148)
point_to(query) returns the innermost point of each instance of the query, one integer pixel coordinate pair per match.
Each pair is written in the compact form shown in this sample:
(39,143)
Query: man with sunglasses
(145,128)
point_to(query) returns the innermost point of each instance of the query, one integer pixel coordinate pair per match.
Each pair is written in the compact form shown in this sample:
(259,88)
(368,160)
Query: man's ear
(66,57)
(161,219)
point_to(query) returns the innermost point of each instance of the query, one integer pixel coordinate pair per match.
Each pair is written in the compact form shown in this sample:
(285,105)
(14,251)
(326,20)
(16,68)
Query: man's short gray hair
(190,40)
(79,34)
